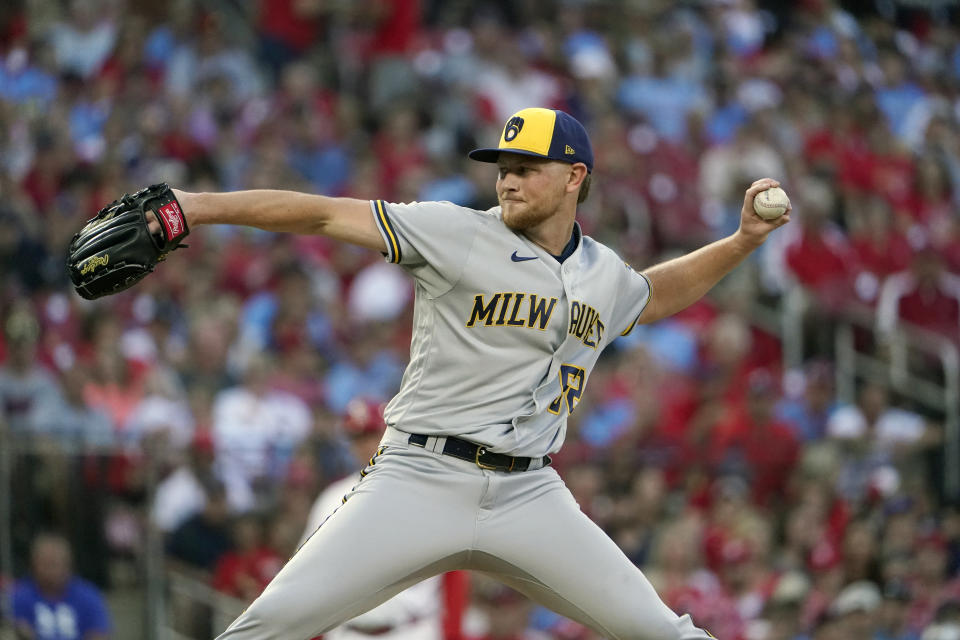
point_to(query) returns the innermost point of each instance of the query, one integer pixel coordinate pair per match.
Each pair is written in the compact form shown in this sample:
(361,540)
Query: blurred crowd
(208,401)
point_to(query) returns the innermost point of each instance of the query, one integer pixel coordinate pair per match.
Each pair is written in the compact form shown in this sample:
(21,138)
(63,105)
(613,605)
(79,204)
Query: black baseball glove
(116,249)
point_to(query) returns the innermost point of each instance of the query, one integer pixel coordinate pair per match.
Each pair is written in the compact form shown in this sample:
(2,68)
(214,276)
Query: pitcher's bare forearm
(344,219)
(678,283)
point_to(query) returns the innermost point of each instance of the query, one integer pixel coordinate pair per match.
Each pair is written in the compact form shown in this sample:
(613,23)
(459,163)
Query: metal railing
(943,398)
(221,608)
(156,590)
(15,450)
(6,514)
(892,367)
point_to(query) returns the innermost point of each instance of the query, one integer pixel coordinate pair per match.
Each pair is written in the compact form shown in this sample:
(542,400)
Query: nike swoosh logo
(517,258)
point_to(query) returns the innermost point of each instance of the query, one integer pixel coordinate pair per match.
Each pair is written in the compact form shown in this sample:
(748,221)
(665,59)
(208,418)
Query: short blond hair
(584,189)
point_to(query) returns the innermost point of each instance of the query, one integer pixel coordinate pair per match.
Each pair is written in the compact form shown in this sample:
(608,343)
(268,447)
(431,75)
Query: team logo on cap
(513,127)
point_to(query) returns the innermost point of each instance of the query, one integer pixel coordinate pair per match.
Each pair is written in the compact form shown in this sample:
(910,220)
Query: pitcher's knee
(673,628)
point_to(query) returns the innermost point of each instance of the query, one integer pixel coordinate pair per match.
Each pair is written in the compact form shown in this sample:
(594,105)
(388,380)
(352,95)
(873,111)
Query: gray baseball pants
(416,513)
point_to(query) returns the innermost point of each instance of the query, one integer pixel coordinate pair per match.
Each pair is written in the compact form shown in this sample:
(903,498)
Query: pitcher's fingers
(152,223)
(763,183)
(758,186)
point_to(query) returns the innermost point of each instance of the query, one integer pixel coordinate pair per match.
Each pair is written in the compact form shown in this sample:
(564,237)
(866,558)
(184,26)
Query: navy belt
(478,454)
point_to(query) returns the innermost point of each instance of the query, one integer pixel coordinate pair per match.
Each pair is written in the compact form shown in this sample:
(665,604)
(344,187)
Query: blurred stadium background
(781,459)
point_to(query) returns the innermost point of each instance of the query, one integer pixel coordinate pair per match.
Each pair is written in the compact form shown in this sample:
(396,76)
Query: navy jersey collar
(571,244)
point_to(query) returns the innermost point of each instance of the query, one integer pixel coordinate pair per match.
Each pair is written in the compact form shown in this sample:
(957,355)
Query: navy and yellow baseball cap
(543,133)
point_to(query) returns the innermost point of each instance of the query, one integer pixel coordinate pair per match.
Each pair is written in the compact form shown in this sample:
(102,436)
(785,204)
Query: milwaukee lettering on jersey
(512,309)
(585,324)
(172,219)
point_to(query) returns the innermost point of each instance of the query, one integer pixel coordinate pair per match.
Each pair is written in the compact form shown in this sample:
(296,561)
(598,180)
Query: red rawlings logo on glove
(172,218)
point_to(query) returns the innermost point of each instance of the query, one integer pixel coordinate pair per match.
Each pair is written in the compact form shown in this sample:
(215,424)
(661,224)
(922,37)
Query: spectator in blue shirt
(900,94)
(665,100)
(53,604)
(809,413)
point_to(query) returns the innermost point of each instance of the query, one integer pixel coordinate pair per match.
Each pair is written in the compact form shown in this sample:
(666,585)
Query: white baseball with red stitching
(771,204)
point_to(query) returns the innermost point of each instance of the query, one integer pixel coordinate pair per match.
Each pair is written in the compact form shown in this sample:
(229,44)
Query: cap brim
(491,155)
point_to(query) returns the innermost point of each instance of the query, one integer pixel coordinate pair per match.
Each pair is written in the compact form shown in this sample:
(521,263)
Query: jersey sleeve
(96,616)
(22,606)
(633,294)
(431,240)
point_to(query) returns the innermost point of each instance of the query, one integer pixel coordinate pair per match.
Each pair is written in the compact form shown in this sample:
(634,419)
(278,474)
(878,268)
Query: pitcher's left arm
(678,283)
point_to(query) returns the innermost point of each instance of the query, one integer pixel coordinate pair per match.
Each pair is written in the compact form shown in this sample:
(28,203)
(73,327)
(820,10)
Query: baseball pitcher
(513,307)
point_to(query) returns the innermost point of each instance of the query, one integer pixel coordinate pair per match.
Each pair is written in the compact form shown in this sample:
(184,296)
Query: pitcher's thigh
(549,550)
(383,539)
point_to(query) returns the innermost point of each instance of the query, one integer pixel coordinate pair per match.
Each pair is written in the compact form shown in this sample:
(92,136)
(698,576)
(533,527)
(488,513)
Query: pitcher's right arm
(344,219)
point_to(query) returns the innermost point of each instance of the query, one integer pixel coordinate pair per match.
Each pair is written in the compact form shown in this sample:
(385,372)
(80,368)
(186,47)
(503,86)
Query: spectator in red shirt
(879,248)
(930,583)
(754,444)
(891,170)
(677,571)
(114,385)
(931,203)
(826,149)
(399,147)
(244,571)
(507,612)
(820,257)
(926,296)
(44,179)
(287,29)
(948,239)
(874,162)
(825,564)
(397,26)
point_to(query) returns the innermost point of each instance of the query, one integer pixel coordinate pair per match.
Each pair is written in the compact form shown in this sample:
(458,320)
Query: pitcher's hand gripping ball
(116,249)
(771,203)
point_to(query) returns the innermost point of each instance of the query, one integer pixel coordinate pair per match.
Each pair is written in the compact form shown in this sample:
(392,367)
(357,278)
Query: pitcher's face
(530,190)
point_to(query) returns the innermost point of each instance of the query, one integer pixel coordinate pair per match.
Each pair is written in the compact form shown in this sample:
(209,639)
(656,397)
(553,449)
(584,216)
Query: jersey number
(571,383)
(59,622)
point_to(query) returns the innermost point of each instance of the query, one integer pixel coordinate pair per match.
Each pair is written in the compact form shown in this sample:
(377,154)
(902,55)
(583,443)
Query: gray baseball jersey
(504,340)
(505,336)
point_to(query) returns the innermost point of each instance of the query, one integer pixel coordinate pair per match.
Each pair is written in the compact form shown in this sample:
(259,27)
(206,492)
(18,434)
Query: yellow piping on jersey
(395,246)
(633,324)
(373,461)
